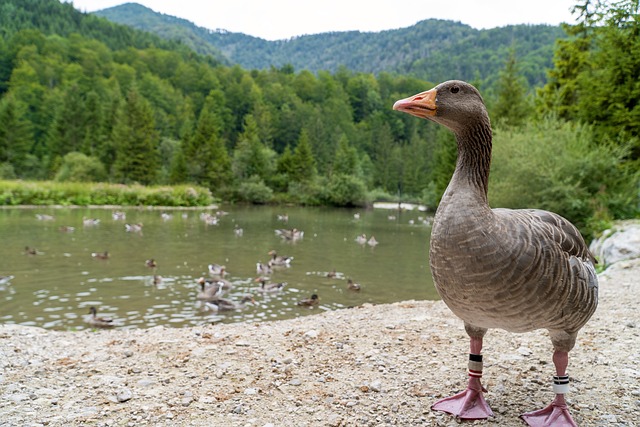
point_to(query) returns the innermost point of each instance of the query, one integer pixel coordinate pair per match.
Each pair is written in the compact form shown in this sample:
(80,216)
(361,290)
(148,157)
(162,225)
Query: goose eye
(455,89)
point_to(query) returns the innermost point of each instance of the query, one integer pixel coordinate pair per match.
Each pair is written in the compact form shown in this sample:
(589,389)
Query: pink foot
(556,415)
(467,405)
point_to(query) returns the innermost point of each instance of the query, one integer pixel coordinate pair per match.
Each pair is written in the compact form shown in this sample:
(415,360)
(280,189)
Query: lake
(55,287)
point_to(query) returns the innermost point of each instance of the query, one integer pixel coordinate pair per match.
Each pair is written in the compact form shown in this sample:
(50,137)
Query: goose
(98,322)
(224,304)
(278,260)
(270,287)
(361,239)
(209,289)
(309,302)
(217,270)
(263,269)
(372,241)
(517,270)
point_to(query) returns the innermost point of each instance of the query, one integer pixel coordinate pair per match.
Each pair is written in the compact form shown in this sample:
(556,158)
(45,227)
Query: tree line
(74,107)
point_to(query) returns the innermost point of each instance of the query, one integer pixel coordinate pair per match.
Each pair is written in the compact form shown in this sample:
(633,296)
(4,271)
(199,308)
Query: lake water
(56,287)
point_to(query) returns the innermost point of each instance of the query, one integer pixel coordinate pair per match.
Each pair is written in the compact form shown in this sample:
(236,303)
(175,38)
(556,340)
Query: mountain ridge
(431,49)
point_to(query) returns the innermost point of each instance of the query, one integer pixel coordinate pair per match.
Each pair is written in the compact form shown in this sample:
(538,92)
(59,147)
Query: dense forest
(431,50)
(85,99)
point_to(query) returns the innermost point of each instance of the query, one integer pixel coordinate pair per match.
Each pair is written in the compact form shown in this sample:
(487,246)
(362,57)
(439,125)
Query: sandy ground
(366,366)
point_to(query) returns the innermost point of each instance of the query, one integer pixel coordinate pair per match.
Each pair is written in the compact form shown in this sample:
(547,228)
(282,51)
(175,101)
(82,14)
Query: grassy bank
(13,193)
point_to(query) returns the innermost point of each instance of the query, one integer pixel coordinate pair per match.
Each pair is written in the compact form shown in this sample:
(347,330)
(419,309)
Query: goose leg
(557,413)
(469,404)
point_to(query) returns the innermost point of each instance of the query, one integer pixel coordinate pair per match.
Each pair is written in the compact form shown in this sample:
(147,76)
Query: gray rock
(618,244)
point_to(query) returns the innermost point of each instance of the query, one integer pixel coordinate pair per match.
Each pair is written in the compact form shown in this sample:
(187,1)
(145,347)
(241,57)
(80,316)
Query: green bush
(558,166)
(79,167)
(255,190)
(346,190)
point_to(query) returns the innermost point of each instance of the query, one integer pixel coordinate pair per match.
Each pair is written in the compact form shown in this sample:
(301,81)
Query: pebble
(124,395)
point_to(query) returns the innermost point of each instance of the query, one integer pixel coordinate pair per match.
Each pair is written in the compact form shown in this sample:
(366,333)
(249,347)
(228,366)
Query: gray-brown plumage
(517,270)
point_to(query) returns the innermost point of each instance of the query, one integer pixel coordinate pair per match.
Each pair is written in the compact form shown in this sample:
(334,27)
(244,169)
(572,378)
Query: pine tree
(303,162)
(512,107)
(205,151)
(136,141)
(251,158)
(15,133)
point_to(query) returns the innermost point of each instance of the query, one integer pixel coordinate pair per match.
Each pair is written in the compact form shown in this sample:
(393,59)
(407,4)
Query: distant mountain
(433,49)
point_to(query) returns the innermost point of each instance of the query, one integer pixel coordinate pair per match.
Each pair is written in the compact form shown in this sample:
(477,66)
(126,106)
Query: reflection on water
(89,257)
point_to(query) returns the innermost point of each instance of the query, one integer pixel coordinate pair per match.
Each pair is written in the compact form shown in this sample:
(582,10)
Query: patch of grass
(16,192)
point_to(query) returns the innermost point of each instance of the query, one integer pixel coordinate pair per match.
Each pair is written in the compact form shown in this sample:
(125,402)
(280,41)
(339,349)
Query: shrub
(346,190)
(255,190)
(558,166)
(78,167)
(70,193)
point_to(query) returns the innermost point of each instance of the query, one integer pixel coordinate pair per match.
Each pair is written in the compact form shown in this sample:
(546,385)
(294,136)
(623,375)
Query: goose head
(454,104)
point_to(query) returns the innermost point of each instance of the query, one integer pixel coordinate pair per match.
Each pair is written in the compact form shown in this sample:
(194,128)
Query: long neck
(474,158)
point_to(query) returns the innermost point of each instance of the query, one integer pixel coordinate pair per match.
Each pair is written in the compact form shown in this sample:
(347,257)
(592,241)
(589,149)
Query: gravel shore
(366,366)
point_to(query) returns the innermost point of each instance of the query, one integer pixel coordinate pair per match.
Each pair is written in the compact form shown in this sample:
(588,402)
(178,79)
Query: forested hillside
(84,99)
(433,50)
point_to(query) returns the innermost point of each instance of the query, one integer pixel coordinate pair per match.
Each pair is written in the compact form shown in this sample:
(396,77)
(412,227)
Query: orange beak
(422,105)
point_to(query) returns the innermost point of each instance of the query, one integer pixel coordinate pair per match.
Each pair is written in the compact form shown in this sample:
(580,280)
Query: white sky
(282,19)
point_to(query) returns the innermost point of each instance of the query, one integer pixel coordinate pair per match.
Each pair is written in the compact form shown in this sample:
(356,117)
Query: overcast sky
(282,19)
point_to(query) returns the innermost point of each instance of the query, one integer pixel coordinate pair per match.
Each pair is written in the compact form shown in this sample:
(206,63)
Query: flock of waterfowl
(213,288)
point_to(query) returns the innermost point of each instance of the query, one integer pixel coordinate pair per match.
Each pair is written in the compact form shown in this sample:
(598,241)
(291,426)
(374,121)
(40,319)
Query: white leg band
(561,384)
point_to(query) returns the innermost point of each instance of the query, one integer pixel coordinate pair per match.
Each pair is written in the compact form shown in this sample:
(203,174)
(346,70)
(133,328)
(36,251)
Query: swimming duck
(32,251)
(100,255)
(283,217)
(518,270)
(98,322)
(270,287)
(118,216)
(278,260)
(133,228)
(66,229)
(309,302)
(90,222)
(290,234)
(263,269)
(352,286)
